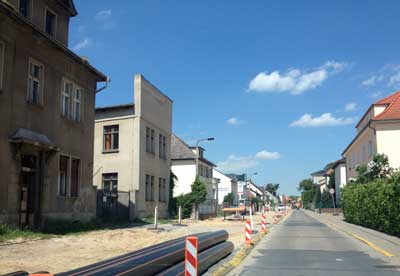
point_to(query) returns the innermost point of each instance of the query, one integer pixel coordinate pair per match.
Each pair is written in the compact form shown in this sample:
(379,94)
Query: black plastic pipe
(205,260)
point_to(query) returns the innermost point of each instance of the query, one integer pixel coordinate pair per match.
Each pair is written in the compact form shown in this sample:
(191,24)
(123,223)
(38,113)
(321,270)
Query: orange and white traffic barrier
(263,224)
(191,249)
(248,231)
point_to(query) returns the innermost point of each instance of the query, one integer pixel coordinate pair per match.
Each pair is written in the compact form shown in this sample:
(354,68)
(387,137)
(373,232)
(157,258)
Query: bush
(187,204)
(374,205)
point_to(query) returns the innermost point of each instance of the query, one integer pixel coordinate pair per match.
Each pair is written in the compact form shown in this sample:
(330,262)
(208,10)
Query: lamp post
(197,152)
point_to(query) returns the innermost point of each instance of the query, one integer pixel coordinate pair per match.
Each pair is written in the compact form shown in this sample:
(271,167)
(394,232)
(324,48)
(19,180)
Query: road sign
(332,191)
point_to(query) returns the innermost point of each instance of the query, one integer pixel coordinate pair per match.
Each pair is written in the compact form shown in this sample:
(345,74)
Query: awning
(26,136)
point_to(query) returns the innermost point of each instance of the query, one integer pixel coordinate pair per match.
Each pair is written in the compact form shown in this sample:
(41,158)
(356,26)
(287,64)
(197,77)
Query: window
(66,99)
(71,97)
(110,138)
(149,188)
(152,141)
(2,49)
(63,175)
(162,146)
(150,146)
(35,82)
(148,139)
(76,107)
(24,7)
(74,177)
(50,22)
(110,183)
(162,196)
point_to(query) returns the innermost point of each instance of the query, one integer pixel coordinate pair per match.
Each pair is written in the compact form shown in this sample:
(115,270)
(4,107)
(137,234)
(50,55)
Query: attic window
(24,7)
(50,24)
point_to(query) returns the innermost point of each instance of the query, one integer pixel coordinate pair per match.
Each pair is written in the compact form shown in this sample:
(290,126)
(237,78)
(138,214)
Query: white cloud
(104,14)
(294,80)
(239,163)
(267,155)
(83,44)
(394,80)
(376,94)
(372,80)
(324,120)
(350,106)
(234,121)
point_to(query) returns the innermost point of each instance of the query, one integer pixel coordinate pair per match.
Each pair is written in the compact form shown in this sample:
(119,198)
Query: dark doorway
(28,190)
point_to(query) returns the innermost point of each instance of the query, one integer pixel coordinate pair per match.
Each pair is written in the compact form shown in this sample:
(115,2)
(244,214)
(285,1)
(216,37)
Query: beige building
(132,154)
(378,131)
(47,102)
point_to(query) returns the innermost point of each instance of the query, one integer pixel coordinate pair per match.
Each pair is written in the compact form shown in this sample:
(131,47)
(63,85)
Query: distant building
(226,184)
(132,154)
(378,131)
(183,165)
(47,103)
(339,168)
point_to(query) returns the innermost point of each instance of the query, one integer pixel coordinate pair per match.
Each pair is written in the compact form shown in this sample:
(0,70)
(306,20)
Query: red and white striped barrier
(248,231)
(191,247)
(263,224)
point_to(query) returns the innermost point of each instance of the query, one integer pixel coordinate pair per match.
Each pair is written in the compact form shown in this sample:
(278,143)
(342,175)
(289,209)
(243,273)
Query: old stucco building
(47,101)
(378,131)
(132,153)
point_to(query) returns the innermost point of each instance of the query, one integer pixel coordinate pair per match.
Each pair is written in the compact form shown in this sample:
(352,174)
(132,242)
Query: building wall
(185,170)
(388,141)
(340,179)
(120,162)
(360,152)
(74,139)
(154,110)
(225,186)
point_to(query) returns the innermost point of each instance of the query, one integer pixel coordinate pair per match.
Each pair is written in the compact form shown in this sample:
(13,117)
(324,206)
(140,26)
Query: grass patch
(11,233)
(150,220)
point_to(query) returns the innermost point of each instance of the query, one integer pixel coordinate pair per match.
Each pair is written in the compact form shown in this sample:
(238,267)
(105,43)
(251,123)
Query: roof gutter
(108,80)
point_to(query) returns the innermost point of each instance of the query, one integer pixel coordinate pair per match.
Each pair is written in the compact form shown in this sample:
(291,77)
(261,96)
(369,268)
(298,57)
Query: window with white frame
(71,98)
(68,176)
(162,190)
(2,50)
(63,175)
(35,82)
(149,188)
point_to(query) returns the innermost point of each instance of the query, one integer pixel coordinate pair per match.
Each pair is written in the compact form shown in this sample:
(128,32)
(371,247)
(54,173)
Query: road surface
(301,245)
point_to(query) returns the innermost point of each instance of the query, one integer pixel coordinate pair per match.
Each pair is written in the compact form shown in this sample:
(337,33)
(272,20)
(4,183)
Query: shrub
(187,204)
(374,205)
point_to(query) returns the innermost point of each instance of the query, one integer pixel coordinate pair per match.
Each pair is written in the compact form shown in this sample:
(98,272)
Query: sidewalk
(388,246)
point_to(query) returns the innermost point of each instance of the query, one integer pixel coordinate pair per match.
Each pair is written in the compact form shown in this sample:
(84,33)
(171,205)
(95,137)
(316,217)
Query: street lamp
(197,152)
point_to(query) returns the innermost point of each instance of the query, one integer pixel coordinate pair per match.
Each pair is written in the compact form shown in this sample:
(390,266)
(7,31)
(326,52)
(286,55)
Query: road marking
(339,260)
(370,244)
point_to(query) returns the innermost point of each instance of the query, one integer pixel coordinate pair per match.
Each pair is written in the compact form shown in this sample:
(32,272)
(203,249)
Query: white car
(281,207)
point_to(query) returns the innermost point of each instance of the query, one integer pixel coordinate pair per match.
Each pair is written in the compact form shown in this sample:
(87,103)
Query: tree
(377,168)
(198,195)
(172,200)
(305,184)
(308,191)
(272,188)
(229,198)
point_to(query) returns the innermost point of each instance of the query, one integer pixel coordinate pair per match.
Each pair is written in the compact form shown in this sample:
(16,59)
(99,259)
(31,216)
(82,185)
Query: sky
(280,85)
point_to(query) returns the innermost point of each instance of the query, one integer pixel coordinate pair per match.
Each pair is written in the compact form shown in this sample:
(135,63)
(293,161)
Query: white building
(183,165)
(340,177)
(226,185)
(132,154)
(378,131)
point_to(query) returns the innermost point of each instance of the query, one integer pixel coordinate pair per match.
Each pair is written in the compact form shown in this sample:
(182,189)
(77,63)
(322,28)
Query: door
(28,186)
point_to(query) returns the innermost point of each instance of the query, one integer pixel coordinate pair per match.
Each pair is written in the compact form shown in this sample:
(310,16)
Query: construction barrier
(191,256)
(263,224)
(248,231)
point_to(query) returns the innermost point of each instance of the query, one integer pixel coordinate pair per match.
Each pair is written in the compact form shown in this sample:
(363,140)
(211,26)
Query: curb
(241,254)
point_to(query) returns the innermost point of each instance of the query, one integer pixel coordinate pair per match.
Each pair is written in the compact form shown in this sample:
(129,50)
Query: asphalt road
(301,245)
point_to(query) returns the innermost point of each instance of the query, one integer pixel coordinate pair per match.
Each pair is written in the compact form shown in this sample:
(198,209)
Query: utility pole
(197,152)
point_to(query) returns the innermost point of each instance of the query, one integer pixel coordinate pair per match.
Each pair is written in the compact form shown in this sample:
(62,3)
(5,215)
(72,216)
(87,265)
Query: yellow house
(378,131)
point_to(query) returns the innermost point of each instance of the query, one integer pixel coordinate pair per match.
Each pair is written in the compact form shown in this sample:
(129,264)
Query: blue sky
(279,84)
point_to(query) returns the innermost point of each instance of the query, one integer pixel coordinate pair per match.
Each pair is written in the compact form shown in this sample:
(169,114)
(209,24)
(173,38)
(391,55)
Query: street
(302,245)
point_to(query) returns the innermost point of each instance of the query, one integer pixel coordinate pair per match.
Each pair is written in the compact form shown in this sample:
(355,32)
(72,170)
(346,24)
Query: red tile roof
(392,110)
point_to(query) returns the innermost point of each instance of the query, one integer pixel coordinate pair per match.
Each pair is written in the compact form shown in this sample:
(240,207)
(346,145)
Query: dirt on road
(72,251)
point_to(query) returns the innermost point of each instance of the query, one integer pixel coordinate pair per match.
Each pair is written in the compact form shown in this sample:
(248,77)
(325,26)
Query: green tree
(308,191)
(198,195)
(305,184)
(171,200)
(185,201)
(377,168)
(272,188)
(229,198)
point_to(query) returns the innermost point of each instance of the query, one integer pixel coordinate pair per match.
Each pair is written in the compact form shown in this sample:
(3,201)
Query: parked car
(281,207)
